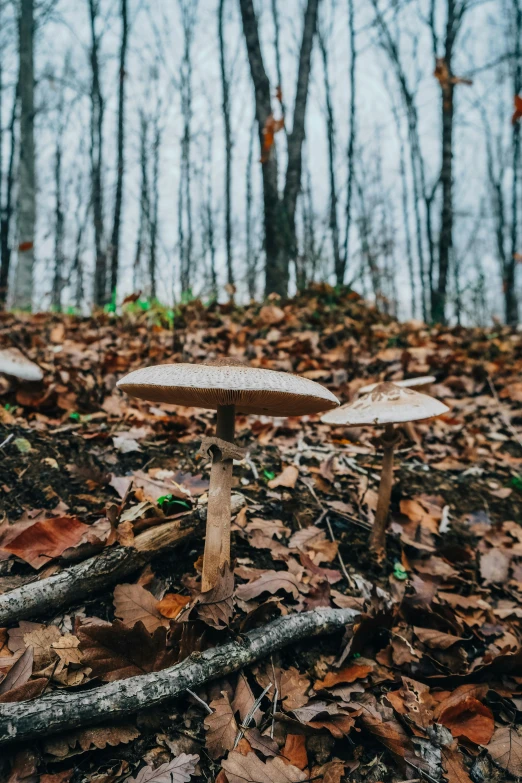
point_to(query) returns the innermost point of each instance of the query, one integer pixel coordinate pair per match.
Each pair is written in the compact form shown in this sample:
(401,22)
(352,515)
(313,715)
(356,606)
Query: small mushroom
(14,363)
(386,405)
(229,387)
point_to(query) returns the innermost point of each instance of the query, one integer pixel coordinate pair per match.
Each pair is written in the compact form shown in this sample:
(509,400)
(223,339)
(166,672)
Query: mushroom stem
(378,534)
(217,541)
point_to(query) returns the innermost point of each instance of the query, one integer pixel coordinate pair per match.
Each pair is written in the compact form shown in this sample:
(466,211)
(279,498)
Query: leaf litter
(427,683)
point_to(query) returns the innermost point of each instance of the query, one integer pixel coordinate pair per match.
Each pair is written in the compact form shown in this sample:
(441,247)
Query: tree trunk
(96,153)
(155,208)
(6,208)
(438,302)
(341,274)
(225,86)
(56,296)
(144,216)
(279,214)
(510,292)
(115,239)
(251,259)
(23,284)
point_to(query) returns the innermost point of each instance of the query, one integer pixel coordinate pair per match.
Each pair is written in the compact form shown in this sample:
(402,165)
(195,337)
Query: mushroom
(387,404)
(229,387)
(14,363)
(421,382)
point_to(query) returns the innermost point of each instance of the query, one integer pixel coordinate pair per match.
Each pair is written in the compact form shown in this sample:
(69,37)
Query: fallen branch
(61,711)
(92,576)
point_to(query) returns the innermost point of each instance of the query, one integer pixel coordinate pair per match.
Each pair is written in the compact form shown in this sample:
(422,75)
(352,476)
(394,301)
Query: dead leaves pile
(427,681)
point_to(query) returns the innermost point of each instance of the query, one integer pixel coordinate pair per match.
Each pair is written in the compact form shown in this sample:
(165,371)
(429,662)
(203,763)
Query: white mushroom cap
(229,382)
(407,383)
(13,362)
(386,404)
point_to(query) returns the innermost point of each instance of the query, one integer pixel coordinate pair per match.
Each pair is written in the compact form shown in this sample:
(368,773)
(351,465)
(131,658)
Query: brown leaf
(436,640)
(349,674)
(24,768)
(250,769)
(244,700)
(505,748)
(133,604)
(270,582)
(221,727)
(179,770)
(294,751)
(262,743)
(216,606)
(45,540)
(29,690)
(74,742)
(42,640)
(19,673)
(494,566)
(114,652)
(285,479)
(469,718)
(454,767)
(172,604)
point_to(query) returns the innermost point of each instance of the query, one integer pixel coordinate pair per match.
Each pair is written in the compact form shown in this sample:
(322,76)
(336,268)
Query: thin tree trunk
(23,284)
(339,266)
(188,11)
(6,207)
(510,293)
(56,296)
(251,266)
(120,144)
(406,216)
(96,153)
(341,276)
(225,87)
(144,216)
(155,209)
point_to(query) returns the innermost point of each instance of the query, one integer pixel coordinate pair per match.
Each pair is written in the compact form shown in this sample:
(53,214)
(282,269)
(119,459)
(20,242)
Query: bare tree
(279,212)
(59,217)
(188,11)
(96,156)
(251,255)
(6,190)
(510,294)
(26,211)
(144,209)
(154,217)
(225,104)
(114,248)
(343,261)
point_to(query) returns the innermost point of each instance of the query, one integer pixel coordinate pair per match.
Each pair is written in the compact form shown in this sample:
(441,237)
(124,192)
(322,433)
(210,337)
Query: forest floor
(427,683)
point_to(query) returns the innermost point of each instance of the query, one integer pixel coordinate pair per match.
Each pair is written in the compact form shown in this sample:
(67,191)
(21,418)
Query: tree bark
(225,104)
(120,144)
(62,711)
(23,283)
(156,145)
(96,154)
(6,208)
(341,273)
(510,293)
(279,213)
(144,216)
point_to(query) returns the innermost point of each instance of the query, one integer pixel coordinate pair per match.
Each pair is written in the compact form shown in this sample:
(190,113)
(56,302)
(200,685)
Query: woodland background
(188,148)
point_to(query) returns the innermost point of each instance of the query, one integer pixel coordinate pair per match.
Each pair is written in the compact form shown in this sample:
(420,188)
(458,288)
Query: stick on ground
(56,592)
(62,711)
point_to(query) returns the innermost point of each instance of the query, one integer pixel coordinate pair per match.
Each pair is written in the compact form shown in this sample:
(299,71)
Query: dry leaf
(349,674)
(172,604)
(285,479)
(250,769)
(79,741)
(179,770)
(132,604)
(294,751)
(221,727)
(270,582)
(216,606)
(505,748)
(45,540)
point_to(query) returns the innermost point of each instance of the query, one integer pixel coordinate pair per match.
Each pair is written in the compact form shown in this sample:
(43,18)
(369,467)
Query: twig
(339,556)
(276,696)
(6,441)
(62,711)
(203,703)
(250,715)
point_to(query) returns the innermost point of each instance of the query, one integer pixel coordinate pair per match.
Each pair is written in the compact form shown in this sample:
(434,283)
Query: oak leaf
(221,727)
(270,582)
(505,748)
(20,673)
(45,540)
(348,674)
(216,607)
(179,770)
(468,717)
(132,604)
(80,741)
(294,751)
(250,769)
(172,604)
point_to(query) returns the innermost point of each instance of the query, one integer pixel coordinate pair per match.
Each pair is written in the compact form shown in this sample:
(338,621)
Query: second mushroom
(387,405)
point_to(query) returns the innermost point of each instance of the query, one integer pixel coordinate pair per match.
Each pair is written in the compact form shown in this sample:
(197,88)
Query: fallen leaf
(171,604)
(179,770)
(270,582)
(20,673)
(221,727)
(45,540)
(285,479)
(133,604)
(505,748)
(468,718)
(216,606)
(294,751)
(250,769)
(349,674)
(494,566)
(74,742)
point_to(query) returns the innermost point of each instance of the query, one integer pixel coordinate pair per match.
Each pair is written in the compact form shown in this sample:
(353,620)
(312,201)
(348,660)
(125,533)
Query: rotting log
(63,711)
(92,576)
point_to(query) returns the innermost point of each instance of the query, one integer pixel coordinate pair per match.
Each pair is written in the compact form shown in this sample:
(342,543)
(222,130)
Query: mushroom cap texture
(13,362)
(386,404)
(229,382)
(406,383)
